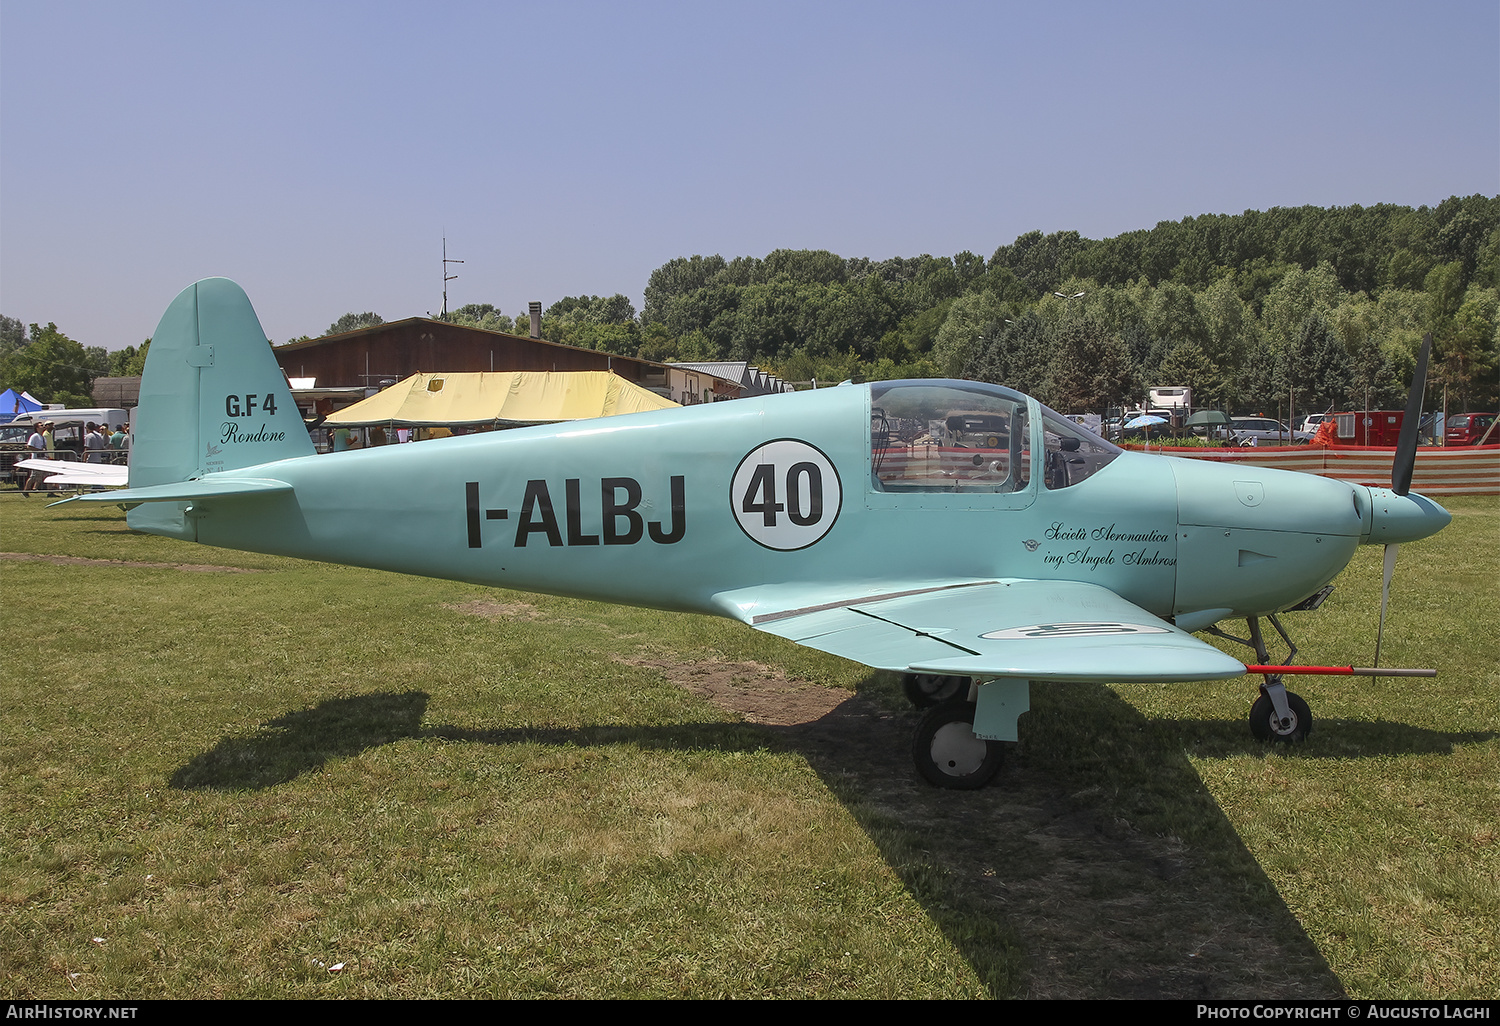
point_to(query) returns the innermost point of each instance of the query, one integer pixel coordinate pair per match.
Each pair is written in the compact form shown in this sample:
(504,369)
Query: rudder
(213,397)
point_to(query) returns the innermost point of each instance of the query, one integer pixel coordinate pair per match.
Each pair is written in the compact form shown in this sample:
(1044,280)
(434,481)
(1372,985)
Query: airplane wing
(67,472)
(1038,630)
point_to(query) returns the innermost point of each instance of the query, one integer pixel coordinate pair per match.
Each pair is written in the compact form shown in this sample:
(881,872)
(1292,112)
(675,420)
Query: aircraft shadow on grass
(1045,861)
(300,742)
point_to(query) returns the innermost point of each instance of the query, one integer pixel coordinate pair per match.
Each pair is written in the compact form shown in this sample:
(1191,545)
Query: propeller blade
(1385,594)
(1406,442)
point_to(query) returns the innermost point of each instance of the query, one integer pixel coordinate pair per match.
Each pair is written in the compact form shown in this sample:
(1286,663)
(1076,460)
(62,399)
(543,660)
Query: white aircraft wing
(1038,630)
(67,472)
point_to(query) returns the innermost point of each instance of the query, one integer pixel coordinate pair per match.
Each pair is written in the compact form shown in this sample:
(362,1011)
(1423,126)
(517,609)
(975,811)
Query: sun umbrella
(1148,420)
(1206,417)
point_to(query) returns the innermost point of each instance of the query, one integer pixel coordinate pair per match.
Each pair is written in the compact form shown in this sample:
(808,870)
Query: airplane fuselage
(683,509)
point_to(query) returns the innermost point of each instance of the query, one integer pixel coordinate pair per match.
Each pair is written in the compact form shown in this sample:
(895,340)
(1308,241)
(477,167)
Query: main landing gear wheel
(1266,727)
(948,754)
(927,689)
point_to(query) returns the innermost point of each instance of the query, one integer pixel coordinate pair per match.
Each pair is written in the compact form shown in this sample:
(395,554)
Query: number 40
(802,478)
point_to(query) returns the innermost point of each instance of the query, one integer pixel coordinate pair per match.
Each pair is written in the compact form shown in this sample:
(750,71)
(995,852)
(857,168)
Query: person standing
(94,443)
(36,449)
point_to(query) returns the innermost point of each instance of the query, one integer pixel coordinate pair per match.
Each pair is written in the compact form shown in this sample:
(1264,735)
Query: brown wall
(403,348)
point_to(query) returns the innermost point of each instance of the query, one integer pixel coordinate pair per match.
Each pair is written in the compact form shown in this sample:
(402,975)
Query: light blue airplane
(959,533)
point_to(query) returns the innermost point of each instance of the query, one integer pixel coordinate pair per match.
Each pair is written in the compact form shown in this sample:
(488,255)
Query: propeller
(1401,471)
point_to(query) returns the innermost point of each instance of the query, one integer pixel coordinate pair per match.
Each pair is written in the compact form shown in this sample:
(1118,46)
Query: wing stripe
(920,634)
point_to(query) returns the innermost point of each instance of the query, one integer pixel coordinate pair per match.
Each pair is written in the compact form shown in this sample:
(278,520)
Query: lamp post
(1068,300)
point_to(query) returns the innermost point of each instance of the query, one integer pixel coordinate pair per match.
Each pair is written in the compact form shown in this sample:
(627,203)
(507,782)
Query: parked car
(1312,421)
(1470,428)
(13,449)
(1264,431)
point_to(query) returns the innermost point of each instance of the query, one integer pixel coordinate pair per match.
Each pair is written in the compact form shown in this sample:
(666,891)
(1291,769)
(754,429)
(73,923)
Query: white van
(114,418)
(1170,397)
(68,425)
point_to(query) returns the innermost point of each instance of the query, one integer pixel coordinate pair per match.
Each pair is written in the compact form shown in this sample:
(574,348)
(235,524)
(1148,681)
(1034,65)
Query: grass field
(228,774)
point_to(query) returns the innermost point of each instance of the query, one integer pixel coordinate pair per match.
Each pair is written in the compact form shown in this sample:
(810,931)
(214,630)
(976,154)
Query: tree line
(54,368)
(1324,306)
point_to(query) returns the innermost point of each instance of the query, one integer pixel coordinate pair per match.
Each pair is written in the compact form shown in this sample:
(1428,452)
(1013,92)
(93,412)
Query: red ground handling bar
(1343,671)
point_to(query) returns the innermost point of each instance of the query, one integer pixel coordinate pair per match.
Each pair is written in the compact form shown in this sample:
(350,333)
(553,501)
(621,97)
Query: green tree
(1040,261)
(615,309)
(959,337)
(1330,372)
(1015,352)
(482,315)
(1226,322)
(1466,357)
(1187,364)
(1406,269)
(1173,316)
(816,266)
(52,367)
(1256,386)
(621,339)
(1373,383)
(827,370)
(353,322)
(130,361)
(1090,368)
(675,279)
(97,359)
(12,335)
(1444,286)
(1298,294)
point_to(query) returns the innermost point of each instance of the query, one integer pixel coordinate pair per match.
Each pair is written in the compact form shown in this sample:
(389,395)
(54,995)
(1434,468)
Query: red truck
(1370,427)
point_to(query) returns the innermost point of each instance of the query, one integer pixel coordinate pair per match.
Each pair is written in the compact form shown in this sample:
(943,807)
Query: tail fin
(212,396)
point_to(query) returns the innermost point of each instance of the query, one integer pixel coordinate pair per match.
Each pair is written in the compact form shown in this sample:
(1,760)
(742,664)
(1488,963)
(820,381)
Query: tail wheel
(928,689)
(1265,725)
(947,752)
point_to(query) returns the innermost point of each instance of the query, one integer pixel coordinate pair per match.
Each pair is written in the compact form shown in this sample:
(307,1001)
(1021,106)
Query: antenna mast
(446,276)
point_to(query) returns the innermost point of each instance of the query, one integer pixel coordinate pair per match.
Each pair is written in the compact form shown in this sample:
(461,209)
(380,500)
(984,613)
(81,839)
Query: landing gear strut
(1278,715)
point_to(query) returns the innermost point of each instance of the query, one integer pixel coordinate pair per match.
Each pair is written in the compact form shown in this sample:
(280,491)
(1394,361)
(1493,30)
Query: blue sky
(318,152)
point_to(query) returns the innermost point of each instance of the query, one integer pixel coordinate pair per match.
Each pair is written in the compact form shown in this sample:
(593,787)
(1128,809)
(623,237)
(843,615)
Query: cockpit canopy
(966,436)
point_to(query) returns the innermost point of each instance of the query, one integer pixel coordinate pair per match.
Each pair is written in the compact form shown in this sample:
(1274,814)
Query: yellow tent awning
(507,397)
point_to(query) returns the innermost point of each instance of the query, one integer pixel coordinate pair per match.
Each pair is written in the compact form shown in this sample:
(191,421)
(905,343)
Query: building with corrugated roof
(332,372)
(380,355)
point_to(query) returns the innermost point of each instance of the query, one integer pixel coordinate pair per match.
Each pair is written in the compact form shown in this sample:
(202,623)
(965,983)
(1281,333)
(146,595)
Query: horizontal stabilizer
(186,491)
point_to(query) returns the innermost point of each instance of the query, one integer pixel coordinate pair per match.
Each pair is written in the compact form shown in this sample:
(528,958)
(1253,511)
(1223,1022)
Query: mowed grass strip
(1382,832)
(238,781)
(225,784)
